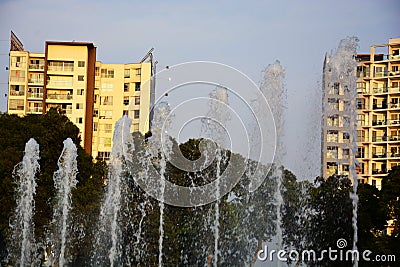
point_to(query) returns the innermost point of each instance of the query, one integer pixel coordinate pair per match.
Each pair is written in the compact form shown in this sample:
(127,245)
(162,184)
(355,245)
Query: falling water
(22,224)
(273,89)
(108,223)
(160,140)
(215,131)
(341,66)
(64,181)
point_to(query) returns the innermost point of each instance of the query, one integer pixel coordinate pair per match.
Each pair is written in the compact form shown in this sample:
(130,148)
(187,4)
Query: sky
(247,35)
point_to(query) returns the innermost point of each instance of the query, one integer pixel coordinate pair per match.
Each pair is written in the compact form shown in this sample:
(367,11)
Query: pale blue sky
(247,35)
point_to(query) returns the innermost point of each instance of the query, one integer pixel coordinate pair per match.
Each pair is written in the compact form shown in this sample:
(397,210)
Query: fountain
(160,143)
(64,181)
(23,241)
(137,227)
(341,66)
(108,233)
(272,87)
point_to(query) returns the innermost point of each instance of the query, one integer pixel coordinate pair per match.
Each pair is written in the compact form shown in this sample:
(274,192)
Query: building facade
(378,118)
(92,94)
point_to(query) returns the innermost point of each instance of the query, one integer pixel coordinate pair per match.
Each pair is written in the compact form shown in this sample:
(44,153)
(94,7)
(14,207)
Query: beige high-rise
(378,118)
(92,94)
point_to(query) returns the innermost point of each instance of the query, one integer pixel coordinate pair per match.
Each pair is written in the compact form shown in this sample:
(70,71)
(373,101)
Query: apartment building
(378,118)
(92,94)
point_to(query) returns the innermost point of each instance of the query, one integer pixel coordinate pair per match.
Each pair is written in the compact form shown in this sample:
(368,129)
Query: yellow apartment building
(378,118)
(92,94)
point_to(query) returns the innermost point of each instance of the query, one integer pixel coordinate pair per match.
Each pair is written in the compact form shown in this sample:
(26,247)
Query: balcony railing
(382,105)
(59,96)
(36,81)
(17,93)
(380,90)
(393,122)
(363,74)
(380,74)
(379,122)
(36,67)
(35,109)
(380,155)
(379,171)
(60,68)
(60,83)
(35,95)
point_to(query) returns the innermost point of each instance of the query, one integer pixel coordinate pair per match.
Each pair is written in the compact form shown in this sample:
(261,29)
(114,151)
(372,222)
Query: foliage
(49,130)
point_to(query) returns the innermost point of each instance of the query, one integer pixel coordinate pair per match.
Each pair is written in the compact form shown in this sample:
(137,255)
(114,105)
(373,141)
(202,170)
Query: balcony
(382,105)
(35,109)
(59,96)
(57,83)
(381,122)
(380,155)
(35,95)
(36,66)
(394,122)
(363,74)
(380,90)
(381,74)
(379,171)
(17,93)
(394,73)
(36,81)
(382,138)
(55,68)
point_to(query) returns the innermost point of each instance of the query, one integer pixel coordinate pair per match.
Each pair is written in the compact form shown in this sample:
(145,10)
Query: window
(95,113)
(81,64)
(97,71)
(138,72)
(106,114)
(108,128)
(127,73)
(126,100)
(136,127)
(137,86)
(17,90)
(79,92)
(79,120)
(107,73)
(60,66)
(95,125)
(79,105)
(106,100)
(17,76)
(125,112)
(80,78)
(126,87)
(136,114)
(103,155)
(19,62)
(373,182)
(105,141)
(107,87)
(137,100)
(16,104)
(95,98)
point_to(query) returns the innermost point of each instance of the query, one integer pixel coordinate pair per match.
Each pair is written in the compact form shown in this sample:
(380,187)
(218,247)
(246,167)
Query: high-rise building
(378,117)
(93,95)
